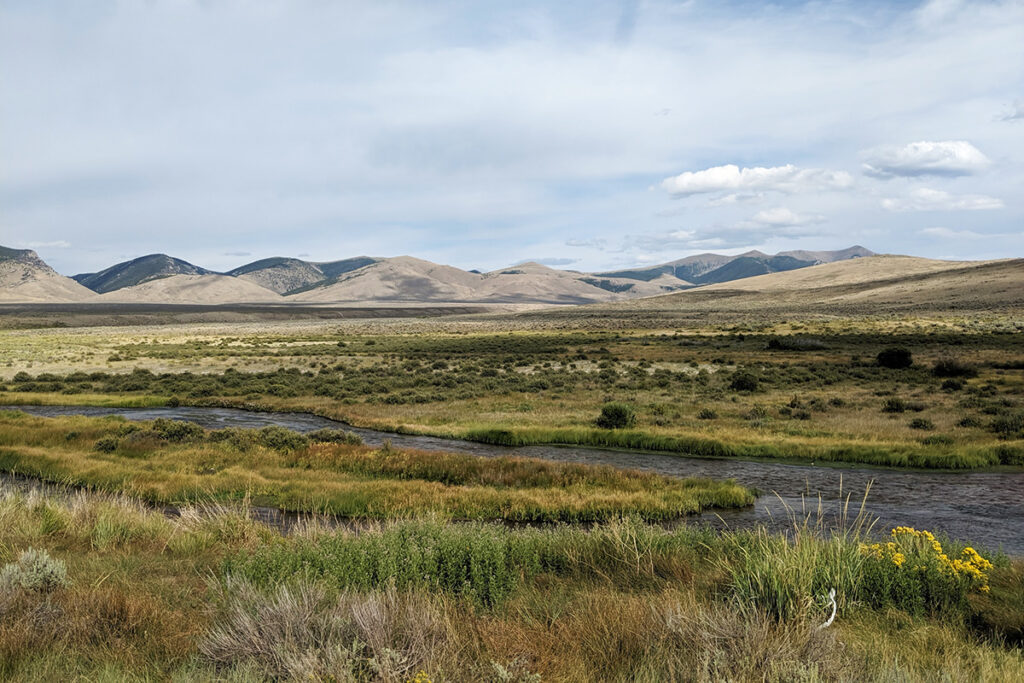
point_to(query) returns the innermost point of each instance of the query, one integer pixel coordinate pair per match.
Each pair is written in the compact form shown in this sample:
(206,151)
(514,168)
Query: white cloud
(552,261)
(1015,113)
(783,217)
(595,243)
(948,234)
(947,158)
(788,178)
(927,199)
(56,244)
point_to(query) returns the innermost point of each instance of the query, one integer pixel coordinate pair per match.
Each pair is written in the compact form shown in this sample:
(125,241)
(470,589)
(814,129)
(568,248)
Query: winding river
(986,508)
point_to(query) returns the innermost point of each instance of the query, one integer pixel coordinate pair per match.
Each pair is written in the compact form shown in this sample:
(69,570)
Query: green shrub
(616,415)
(34,571)
(894,405)
(327,435)
(1009,426)
(952,384)
(895,358)
(922,424)
(281,439)
(178,431)
(707,414)
(106,444)
(952,367)
(743,381)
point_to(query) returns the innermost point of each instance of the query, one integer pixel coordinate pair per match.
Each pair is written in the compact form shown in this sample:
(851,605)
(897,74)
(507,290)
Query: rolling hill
(704,269)
(292,275)
(26,278)
(193,289)
(136,272)
(873,284)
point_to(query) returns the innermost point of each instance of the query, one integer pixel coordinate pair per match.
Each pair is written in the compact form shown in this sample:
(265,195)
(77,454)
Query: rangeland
(440,582)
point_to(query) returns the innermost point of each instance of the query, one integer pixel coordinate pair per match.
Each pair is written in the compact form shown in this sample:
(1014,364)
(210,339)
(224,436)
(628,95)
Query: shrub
(801,415)
(912,572)
(616,415)
(281,439)
(1009,426)
(951,367)
(894,405)
(34,571)
(895,358)
(922,424)
(970,422)
(952,384)
(106,444)
(178,431)
(795,344)
(335,436)
(743,381)
(707,414)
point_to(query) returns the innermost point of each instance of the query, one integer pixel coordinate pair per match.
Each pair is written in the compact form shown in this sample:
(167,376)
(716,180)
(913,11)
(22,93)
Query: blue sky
(587,135)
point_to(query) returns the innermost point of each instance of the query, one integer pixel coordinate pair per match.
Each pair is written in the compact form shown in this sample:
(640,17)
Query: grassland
(428,587)
(124,593)
(330,472)
(810,390)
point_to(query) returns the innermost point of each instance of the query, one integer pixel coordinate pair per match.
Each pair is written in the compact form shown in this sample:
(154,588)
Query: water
(986,508)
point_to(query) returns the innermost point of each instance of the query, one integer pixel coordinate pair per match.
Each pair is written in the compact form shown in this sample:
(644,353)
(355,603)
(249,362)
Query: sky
(581,134)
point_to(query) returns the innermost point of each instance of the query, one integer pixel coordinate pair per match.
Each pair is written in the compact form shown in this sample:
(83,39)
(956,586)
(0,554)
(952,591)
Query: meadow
(142,558)
(812,390)
(101,588)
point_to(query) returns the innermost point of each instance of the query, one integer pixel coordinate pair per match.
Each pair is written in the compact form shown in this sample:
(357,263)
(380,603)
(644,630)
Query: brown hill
(870,284)
(26,278)
(193,289)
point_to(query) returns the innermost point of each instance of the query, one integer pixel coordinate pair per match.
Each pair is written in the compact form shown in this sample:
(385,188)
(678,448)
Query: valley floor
(442,580)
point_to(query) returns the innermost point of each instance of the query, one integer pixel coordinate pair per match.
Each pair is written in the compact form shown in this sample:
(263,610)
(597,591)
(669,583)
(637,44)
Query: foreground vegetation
(100,588)
(330,472)
(949,397)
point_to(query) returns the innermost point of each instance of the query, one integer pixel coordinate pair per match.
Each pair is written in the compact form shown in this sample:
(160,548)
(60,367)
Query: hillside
(292,275)
(402,278)
(26,278)
(193,289)
(136,272)
(871,284)
(408,279)
(703,269)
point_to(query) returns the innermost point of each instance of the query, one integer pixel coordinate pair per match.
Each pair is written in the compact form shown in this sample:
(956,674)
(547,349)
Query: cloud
(56,244)
(788,179)
(947,234)
(593,243)
(927,199)
(783,217)
(237,253)
(1015,113)
(553,261)
(948,158)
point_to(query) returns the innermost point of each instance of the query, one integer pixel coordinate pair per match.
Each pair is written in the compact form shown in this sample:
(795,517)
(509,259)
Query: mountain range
(159,278)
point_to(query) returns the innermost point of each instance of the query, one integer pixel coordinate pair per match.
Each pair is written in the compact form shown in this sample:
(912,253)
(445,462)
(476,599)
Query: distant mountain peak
(136,271)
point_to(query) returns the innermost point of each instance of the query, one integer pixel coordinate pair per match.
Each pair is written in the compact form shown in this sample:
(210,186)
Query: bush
(743,381)
(952,384)
(335,436)
(895,358)
(1010,426)
(177,431)
(707,414)
(281,439)
(106,444)
(921,423)
(34,571)
(951,367)
(616,415)
(894,405)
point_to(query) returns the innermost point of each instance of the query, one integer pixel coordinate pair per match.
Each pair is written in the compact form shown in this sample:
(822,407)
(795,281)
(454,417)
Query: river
(986,508)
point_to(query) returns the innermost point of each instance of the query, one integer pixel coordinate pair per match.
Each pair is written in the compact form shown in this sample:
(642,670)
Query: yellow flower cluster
(970,564)
(885,551)
(421,677)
